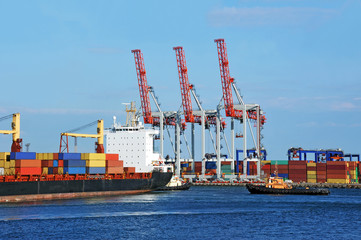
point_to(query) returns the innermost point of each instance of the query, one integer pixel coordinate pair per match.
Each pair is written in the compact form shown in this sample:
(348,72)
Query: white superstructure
(134,144)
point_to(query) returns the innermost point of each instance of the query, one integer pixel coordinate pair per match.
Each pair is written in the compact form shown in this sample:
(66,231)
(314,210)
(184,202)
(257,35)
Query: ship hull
(259,189)
(42,190)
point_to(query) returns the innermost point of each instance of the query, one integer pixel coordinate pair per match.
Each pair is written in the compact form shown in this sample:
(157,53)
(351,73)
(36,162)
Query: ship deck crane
(203,117)
(99,145)
(236,111)
(15,125)
(160,118)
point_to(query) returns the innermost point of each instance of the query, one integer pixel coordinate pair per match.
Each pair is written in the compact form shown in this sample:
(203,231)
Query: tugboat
(276,185)
(175,184)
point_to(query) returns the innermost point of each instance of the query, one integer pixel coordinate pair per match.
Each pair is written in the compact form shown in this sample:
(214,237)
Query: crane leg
(99,148)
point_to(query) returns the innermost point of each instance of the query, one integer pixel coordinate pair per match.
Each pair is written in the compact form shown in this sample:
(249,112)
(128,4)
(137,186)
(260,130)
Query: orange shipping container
(115,170)
(28,163)
(337,176)
(55,156)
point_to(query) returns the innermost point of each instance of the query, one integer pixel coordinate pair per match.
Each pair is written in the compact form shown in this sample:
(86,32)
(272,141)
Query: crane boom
(184,84)
(143,86)
(99,136)
(226,80)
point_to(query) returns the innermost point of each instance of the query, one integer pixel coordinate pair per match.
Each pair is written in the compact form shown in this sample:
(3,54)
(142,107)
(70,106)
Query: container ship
(129,166)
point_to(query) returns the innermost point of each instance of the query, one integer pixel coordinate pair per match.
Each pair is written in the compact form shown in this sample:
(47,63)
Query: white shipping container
(2,171)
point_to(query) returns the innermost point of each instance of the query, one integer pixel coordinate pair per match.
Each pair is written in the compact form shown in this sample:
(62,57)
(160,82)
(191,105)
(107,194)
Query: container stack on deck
(26,163)
(36,164)
(337,172)
(311,172)
(226,167)
(297,171)
(321,172)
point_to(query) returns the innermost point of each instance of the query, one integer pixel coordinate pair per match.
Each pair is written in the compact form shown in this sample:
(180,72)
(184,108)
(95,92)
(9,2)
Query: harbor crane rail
(99,145)
(16,146)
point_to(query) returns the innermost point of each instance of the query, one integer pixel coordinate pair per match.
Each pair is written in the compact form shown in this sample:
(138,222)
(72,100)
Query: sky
(64,64)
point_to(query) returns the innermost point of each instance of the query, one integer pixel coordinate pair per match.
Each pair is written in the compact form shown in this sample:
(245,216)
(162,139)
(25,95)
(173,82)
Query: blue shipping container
(282,175)
(69,156)
(74,170)
(95,170)
(50,170)
(74,163)
(22,155)
(184,164)
(211,165)
(55,163)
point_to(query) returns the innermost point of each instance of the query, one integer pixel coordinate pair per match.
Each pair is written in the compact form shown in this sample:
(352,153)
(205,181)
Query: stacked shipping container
(311,172)
(321,172)
(297,171)
(337,172)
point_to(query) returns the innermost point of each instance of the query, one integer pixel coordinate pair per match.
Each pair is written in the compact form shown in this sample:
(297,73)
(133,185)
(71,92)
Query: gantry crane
(236,111)
(15,125)
(160,118)
(99,145)
(202,117)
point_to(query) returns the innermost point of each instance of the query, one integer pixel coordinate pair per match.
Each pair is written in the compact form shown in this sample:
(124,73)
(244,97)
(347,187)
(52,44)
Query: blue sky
(64,64)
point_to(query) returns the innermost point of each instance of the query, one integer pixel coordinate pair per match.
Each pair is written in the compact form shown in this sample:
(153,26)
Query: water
(199,213)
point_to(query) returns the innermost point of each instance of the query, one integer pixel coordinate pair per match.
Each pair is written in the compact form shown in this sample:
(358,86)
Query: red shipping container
(112,156)
(60,163)
(336,167)
(321,180)
(198,164)
(311,169)
(129,169)
(297,171)
(28,171)
(337,176)
(226,163)
(55,170)
(297,167)
(55,156)
(336,172)
(297,163)
(321,176)
(31,163)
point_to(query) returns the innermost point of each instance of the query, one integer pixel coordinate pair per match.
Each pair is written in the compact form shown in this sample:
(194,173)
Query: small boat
(175,184)
(276,185)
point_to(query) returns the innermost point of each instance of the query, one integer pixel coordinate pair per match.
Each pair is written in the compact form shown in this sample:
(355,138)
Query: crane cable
(6,117)
(82,127)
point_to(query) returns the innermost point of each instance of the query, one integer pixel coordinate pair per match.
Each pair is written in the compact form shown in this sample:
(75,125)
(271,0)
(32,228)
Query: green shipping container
(279,162)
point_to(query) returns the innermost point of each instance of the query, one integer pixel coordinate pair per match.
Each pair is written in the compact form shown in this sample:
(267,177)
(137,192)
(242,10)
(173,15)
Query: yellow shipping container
(7,171)
(335,180)
(3,155)
(266,162)
(60,170)
(45,170)
(311,164)
(95,163)
(311,176)
(93,156)
(2,163)
(12,171)
(311,172)
(7,165)
(50,156)
(12,163)
(312,180)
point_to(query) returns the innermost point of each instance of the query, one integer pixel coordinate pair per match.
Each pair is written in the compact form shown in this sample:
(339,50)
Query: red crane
(227,82)
(184,84)
(186,89)
(143,86)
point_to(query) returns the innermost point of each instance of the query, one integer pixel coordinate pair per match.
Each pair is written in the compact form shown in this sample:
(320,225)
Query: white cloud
(261,16)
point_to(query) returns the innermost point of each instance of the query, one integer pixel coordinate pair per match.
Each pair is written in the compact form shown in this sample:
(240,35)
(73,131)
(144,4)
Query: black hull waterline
(158,179)
(260,189)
